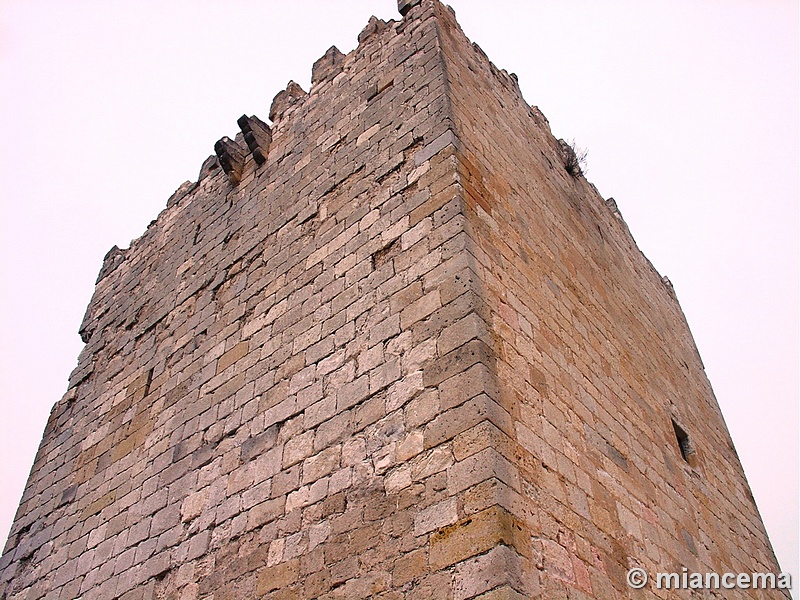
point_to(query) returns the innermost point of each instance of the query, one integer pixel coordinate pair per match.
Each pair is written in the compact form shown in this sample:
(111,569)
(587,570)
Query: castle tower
(392,345)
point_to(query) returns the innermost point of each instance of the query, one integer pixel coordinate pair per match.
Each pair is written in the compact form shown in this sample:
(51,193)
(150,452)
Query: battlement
(241,158)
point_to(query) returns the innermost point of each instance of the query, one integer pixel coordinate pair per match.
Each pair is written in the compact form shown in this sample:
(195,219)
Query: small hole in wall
(387,253)
(685,444)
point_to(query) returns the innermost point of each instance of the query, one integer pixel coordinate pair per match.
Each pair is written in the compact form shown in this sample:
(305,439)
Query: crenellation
(327,67)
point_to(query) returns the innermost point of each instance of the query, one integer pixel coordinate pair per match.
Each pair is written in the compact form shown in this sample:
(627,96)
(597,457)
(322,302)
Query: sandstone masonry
(386,347)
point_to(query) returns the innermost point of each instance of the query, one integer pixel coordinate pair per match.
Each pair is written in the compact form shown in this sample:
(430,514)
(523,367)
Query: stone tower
(392,345)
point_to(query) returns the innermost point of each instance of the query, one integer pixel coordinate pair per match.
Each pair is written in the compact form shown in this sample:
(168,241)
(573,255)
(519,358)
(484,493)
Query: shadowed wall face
(385,347)
(623,456)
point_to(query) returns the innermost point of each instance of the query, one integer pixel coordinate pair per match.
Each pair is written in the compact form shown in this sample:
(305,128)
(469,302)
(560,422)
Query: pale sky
(688,109)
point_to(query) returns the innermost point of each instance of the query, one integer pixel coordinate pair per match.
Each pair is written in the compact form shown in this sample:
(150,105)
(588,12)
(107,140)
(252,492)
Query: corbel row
(257,135)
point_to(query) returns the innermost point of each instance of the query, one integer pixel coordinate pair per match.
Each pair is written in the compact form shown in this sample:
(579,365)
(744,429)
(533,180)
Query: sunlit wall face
(689,114)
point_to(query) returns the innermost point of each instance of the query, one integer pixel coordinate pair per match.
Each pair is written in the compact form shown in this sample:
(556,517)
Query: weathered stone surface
(403,6)
(112,260)
(374,25)
(257,136)
(408,356)
(231,158)
(328,66)
(285,99)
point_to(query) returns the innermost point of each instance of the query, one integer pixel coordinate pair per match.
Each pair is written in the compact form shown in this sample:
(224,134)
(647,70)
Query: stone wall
(387,347)
(596,365)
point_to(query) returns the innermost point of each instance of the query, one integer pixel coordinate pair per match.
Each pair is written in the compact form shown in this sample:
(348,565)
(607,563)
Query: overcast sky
(688,109)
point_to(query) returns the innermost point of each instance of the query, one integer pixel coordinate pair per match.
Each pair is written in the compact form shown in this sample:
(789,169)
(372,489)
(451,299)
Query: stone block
(500,568)
(285,99)
(434,147)
(476,534)
(231,356)
(436,517)
(480,467)
(278,577)
(231,158)
(257,136)
(404,6)
(328,66)
(298,448)
(321,464)
(458,360)
(450,423)
(409,566)
(420,309)
(352,393)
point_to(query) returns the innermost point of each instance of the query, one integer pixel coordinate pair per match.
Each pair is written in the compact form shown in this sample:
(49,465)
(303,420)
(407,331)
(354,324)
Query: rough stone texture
(257,136)
(231,158)
(408,356)
(327,67)
(285,99)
